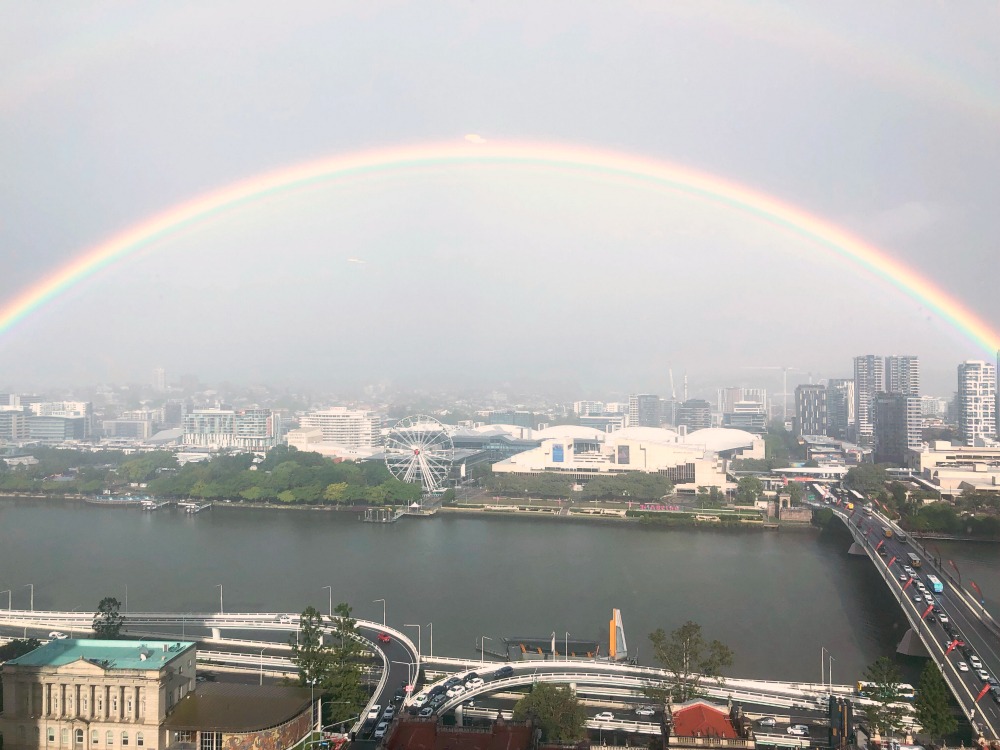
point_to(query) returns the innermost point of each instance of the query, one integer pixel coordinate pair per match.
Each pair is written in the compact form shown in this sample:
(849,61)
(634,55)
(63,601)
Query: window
(100,705)
(110,739)
(64,736)
(83,705)
(95,737)
(124,739)
(52,734)
(79,736)
(114,703)
(138,739)
(128,707)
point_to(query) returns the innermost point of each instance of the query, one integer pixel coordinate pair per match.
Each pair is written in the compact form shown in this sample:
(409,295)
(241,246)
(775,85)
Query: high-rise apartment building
(977,402)
(588,408)
(644,410)
(810,410)
(840,420)
(349,428)
(694,414)
(902,375)
(869,380)
(898,425)
(248,429)
(159,379)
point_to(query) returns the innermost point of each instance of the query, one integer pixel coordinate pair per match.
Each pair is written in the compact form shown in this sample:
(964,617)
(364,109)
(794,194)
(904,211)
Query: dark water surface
(775,598)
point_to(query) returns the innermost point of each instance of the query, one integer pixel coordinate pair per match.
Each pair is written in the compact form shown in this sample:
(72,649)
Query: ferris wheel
(418,449)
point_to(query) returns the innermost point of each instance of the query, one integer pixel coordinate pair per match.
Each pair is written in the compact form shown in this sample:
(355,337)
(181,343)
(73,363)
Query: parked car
(604,716)
(799,730)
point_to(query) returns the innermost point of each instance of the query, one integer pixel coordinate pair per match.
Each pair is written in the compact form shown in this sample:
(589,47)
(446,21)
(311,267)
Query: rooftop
(230,707)
(700,719)
(146,655)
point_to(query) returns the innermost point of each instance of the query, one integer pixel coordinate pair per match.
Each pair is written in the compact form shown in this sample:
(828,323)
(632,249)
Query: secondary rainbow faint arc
(562,157)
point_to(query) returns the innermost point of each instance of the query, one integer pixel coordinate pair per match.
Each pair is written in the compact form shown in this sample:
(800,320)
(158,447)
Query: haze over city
(881,120)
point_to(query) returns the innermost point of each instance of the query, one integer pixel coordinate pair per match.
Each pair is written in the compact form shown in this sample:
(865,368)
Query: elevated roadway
(928,635)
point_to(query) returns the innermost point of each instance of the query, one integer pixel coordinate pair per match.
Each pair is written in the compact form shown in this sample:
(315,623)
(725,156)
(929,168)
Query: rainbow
(613,165)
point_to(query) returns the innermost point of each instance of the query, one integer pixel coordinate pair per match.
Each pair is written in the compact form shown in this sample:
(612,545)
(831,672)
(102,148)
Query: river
(776,598)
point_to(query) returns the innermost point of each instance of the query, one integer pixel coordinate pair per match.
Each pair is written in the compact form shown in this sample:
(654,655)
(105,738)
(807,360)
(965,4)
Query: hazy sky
(882,118)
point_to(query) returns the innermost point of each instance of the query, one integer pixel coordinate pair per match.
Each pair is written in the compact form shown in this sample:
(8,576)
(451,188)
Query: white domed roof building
(727,442)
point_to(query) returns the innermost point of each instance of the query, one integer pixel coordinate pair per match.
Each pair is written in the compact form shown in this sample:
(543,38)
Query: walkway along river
(775,598)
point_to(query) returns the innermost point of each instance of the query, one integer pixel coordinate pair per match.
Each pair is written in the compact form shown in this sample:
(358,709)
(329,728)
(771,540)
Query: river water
(775,598)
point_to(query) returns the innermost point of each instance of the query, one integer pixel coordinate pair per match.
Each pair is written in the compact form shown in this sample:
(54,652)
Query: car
(390,712)
(436,691)
(903,577)
(380,730)
(437,700)
(962,666)
(503,672)
(455,690)
(604,716)
(451,682)
(474,683)
(56,635)
(995,692)
(425,712)
(384,637)
(931,617)
(945,620)
(983,675)
(420,699)
(398,696)
(283,620)
(767,721)
(799,730)
(975,662)
(645,711)
(917,598)
(375,711)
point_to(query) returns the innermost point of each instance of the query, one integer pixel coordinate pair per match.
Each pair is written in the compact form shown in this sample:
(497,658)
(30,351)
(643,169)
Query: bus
(913,560)
(906,691)
(935,583)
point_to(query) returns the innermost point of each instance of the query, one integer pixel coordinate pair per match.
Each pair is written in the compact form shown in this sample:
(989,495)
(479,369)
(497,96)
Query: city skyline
(352,280)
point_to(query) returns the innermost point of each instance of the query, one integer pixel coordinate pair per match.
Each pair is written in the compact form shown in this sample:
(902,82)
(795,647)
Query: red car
(384,637)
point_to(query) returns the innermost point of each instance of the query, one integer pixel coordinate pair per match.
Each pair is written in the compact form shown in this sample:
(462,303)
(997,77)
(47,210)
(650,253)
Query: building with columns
(88,694)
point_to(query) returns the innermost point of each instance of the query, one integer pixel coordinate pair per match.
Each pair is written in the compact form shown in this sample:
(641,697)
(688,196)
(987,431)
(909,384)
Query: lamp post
(262,664)
(566,645)
(410,677)
(331,599)
(376,601)
(431,626)
(9,597)
(829,673)
(482,649)
(32,587)
(822,665)
(126,598)
(222,611)
(418,636)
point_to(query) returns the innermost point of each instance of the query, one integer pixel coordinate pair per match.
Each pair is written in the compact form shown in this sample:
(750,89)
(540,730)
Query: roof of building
(569,432)
(721,438)
(647,434)
(701,719)
(146,655)
(230,707)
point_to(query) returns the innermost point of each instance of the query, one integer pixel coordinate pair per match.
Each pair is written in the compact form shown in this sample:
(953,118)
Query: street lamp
(331,599)
(262,664)
(829,673)
(822,665)
(32,587)
(418,636)
(376,601)
(9,597)
(566,645)
(482,649)
(410,677)
(431,626)
(222,611)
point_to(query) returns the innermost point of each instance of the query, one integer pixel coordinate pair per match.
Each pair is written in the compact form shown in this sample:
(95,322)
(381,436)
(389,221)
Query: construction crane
(784,384)
(673,392)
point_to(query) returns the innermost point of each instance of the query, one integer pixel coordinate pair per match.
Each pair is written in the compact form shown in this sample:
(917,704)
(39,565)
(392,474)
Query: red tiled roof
(701,719)
(429,735)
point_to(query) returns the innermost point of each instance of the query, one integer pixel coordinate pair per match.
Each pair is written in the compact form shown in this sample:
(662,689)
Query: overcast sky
(882,118)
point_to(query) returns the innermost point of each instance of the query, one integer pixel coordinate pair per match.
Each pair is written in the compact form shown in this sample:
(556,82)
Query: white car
(420,699)
(57,636)
(962,666)
(604,716)
(973,660)
(644,711)
(375,711)
(943,618)
(425,712)
(983,675)
(455,690)
(474,683)
(799,730)
(380,730)
(918,598)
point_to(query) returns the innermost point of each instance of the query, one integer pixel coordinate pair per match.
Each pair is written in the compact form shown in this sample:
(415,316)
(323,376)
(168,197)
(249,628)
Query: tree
(343,680)
(555,710)
(12,650)
(689,658)
(884,713)
(795,492)
(866,478)
(108,620)
(309,653)
(933,705)
(748,489)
